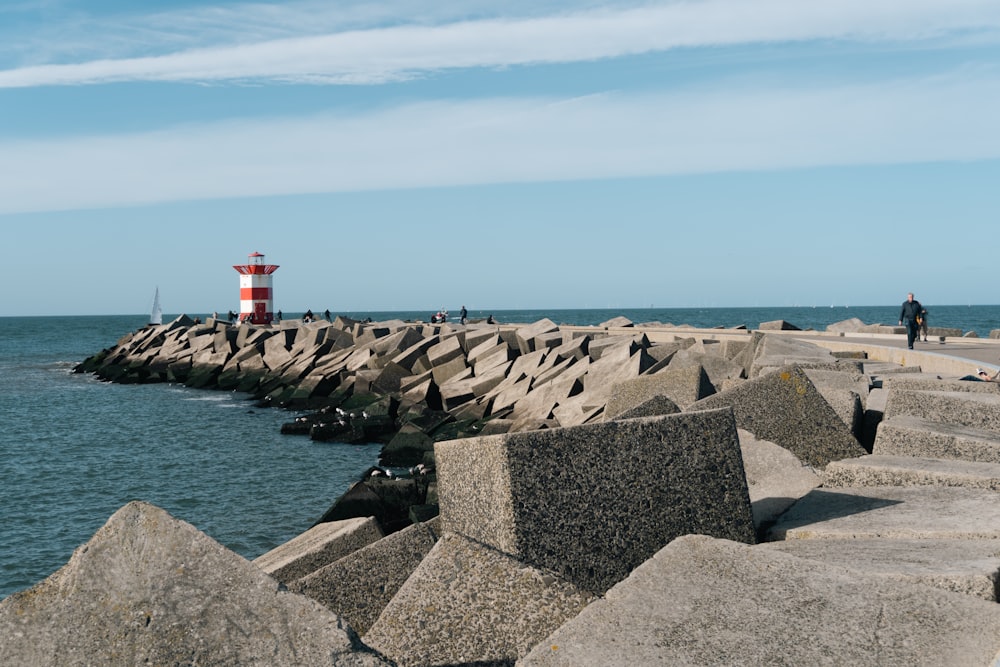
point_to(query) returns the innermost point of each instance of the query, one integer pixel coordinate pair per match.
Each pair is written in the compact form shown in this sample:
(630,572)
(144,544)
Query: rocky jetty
(697,498)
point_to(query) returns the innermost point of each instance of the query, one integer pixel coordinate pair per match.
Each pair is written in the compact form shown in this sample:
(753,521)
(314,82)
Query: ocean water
(73,450)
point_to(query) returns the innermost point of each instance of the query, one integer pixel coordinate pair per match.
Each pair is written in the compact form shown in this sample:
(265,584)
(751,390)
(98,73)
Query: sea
(73,449)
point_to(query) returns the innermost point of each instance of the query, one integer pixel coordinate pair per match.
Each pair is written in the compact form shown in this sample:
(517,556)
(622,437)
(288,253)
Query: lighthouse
(256,294)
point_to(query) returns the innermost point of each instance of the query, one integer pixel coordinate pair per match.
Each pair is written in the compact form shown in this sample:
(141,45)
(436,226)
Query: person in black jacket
(908,314)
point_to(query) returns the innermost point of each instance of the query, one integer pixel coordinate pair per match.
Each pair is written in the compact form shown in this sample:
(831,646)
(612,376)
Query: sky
(411,155)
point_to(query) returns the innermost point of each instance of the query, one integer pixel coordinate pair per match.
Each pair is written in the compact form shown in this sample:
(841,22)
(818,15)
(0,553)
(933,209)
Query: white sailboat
(156,316)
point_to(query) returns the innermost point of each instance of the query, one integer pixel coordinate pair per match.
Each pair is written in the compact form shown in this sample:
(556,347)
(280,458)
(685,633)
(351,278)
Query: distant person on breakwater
(327,314)
(279,317)
(922,321)
(463,314)
(908,314)
(490,320)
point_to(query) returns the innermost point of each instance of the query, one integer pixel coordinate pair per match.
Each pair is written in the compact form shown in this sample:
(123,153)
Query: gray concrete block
(683,386)
(786,408)
(594,501)
(525,336)
(776,479)
(912,436)
(150,589)
(360,585)
(922,512)
(960,408)
(320,545)
(652,407)
(704,601)
(468,604)
(970,567)
(912,471)
(717,367)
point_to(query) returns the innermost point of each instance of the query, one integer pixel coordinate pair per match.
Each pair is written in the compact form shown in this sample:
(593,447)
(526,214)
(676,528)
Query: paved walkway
(956,356)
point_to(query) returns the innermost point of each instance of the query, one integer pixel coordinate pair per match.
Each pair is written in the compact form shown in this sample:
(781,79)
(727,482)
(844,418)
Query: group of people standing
(913,316)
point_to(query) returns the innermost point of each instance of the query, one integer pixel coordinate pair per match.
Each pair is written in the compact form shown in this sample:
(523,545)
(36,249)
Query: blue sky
(400,155)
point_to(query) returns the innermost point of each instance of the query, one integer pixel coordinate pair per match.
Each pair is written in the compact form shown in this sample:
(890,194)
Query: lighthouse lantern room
(256,293)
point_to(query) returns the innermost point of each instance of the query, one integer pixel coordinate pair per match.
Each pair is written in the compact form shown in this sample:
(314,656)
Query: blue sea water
(73,450)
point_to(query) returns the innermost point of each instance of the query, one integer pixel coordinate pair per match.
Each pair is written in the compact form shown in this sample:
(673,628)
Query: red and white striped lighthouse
(256,294)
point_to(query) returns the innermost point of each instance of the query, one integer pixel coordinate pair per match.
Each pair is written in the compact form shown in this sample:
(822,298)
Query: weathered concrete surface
(470,604)
(775,478)
(912,436)
(970,567)
(785,408)
(361,584)
(704,601)
(592,502)
(912,471)
(150,589)
(926,512)
(320,545)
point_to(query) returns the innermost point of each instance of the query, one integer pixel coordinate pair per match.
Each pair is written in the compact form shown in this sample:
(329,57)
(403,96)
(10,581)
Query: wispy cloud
(501,140)
(379,54)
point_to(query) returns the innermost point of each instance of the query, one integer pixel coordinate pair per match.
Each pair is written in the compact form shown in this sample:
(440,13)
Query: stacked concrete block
(961,408)
(912,436)
(594,501)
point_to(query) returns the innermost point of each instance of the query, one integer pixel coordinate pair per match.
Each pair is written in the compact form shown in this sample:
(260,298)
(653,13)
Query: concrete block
(594,501)
(923,512)
(525,336)
(361,584)
(468,604)
(150,589)
(683,386)
(912,436)
(959,408)
(875,470)
(776,478)
(651,407)
(704,601)
(717,367)
(320,545)
(970,567)
(787,409)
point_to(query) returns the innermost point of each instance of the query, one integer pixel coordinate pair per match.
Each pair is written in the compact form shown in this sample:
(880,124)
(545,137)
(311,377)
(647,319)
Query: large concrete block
(683,386)
(704,601)
(911,471)
(959,408)
(912,436)
(320,545)
(971,567)
(776,478)
(525,336)
(468,604)
(594,501)
(923,512)
(150,589)
(361,584)
(785,408)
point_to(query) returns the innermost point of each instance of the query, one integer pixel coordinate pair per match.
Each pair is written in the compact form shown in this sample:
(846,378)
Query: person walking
(464,314)
(922,321)
(908,314)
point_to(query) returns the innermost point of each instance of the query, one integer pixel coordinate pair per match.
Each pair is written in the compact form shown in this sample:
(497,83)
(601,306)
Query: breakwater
(626,538)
